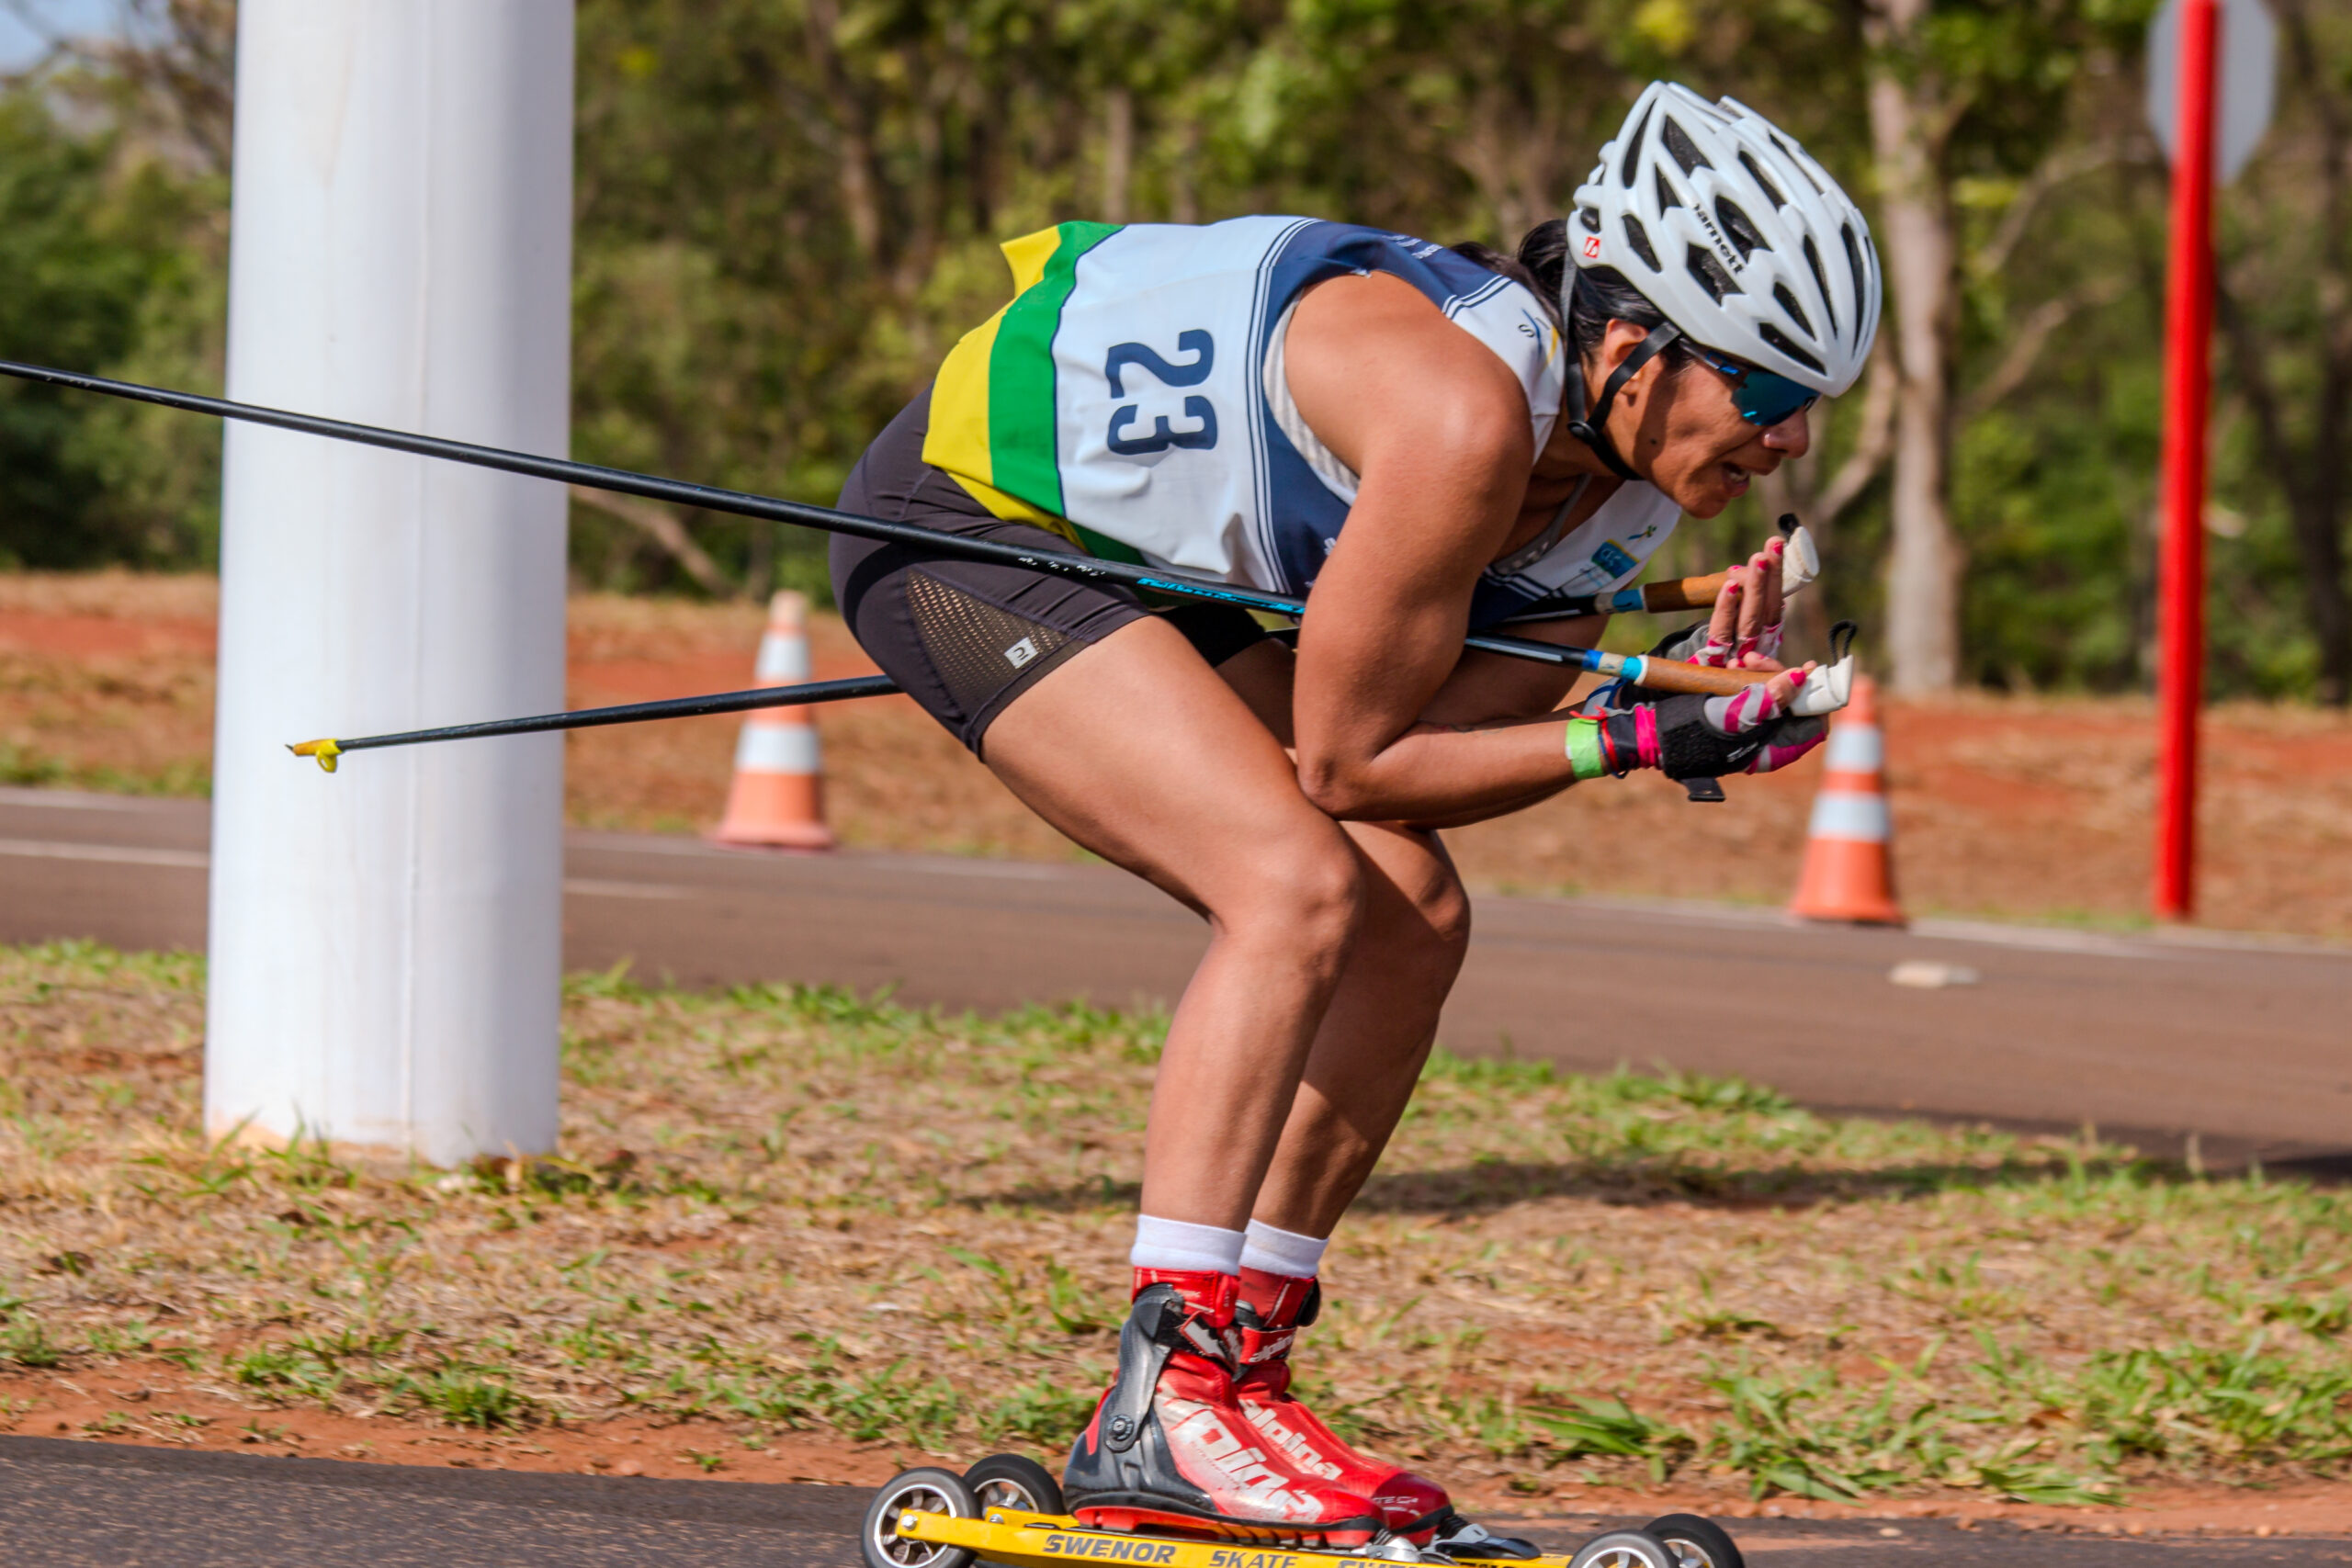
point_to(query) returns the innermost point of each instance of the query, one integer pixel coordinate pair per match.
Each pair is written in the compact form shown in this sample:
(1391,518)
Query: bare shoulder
(1370,354)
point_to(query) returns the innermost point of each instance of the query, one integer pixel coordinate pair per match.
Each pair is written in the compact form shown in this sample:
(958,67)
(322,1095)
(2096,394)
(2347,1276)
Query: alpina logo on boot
(1195,1427)
(1297,1446)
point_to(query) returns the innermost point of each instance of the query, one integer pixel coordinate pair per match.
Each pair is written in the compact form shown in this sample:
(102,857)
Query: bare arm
(1488,690)
(1438,428)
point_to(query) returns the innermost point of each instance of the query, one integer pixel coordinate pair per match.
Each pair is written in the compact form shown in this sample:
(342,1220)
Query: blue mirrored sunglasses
(1762,397)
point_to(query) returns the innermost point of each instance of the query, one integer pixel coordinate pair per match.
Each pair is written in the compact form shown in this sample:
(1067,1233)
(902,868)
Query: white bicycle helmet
(1736,234)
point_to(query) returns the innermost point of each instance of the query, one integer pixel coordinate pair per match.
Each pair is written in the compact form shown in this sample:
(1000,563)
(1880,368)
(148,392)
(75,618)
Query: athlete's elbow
(1339,787)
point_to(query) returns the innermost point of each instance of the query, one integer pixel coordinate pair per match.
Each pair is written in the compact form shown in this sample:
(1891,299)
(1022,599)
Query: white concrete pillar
(385,942)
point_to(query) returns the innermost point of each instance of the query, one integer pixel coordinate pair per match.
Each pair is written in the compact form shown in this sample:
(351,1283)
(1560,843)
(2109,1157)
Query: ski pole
(326,751)
(1657,674)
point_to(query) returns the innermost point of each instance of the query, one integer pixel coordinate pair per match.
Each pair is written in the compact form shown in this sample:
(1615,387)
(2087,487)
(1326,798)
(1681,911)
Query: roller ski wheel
(1626,1549)
(918,1492)
(1017,1481)
(1698,1541)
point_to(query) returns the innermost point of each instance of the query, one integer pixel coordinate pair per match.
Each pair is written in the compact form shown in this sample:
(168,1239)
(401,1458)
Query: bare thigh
(1139,751)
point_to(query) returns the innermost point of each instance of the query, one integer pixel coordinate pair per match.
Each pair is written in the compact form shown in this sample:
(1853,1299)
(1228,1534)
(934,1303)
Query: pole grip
(1699,680)
(1683,593)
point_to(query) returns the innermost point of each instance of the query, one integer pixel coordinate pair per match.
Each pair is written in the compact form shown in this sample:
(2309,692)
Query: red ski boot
(1169,1449)
(1273,1309)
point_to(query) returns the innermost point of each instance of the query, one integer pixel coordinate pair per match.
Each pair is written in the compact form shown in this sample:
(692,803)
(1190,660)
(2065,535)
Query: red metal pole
(2188,336)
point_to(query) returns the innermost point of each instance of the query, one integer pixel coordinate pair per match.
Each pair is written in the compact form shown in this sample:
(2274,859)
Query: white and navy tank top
(1131,398)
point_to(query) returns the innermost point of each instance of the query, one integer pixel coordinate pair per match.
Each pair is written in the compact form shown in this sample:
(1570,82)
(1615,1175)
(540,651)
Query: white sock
(1174,1244)
(1271,1251)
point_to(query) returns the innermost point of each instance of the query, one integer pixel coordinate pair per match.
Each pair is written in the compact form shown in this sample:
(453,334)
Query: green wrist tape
(1584,748)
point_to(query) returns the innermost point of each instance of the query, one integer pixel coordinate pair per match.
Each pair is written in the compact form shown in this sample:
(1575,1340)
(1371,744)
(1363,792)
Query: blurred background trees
(790,208)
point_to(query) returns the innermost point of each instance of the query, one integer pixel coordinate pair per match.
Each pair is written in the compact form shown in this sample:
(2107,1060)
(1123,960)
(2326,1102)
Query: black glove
(1688,737)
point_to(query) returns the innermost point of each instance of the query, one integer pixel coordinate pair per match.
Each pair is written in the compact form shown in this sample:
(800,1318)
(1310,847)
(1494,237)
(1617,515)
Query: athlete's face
(1681,430)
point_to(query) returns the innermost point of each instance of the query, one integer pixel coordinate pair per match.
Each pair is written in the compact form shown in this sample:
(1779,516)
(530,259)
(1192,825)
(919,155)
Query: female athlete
(1435,441)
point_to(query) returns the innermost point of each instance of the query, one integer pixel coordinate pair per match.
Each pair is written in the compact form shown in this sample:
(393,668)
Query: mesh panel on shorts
(978,648)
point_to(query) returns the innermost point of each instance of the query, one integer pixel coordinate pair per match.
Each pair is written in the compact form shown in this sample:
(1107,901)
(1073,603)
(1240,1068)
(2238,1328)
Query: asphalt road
(67,1504)
(2244,1045)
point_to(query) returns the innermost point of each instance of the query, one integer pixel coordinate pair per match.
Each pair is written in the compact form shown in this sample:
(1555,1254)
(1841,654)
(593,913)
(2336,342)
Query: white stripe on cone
(1856,749)
(777,748)
(1861,817)
(784,658)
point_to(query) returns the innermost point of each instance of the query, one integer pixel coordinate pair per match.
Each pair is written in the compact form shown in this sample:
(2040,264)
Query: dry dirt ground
(2028,808)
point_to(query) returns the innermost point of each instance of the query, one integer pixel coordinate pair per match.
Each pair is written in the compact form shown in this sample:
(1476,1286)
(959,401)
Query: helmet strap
(1593,429)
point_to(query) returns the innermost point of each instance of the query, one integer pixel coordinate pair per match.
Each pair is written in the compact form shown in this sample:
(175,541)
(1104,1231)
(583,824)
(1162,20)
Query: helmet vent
(1590,218)
(1639,239)
(1667,200)
(1719,284)
(1854,265)
(1787,346)
(1813,260)
(1741,229)
(1796,162)
(1632,157)
(1686,152)
(1764,181)
(1796,311)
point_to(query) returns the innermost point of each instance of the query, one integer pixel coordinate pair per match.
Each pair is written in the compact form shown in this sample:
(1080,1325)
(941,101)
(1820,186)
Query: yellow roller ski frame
(1016,1540)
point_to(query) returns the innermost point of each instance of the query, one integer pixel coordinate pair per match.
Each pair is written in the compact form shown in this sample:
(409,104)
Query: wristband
(1584,755)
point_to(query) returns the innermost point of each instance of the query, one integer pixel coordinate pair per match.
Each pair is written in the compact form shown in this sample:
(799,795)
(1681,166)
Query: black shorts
(965,637)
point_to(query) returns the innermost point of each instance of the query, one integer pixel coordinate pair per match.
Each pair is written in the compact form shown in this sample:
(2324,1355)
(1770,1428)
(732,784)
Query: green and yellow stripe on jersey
(993,410)
(1122,400)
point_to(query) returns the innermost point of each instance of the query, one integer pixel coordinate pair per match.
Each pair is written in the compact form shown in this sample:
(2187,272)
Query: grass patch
(785,1208)
(30,766)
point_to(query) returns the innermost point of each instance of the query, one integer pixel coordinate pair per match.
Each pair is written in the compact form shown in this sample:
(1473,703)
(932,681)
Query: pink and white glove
(1691,737)
(1756,709)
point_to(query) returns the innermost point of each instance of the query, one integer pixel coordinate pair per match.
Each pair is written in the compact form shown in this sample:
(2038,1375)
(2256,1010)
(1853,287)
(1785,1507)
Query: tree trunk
(1923,566)
(2319,502)
(2312,473)
(1118,151)
(2319,538)
(862,182)
(661,525)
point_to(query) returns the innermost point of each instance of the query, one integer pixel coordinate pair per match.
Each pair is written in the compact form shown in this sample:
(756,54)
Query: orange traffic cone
(777,799)
(1849,862)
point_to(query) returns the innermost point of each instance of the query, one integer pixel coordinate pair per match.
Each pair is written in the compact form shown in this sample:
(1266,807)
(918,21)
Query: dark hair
(1602,293)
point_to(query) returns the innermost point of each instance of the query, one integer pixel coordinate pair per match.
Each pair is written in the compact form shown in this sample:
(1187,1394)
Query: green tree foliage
(788,210)
(100,272)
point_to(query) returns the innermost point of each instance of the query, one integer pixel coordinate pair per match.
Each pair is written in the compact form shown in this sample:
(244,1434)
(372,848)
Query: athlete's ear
(1619,343)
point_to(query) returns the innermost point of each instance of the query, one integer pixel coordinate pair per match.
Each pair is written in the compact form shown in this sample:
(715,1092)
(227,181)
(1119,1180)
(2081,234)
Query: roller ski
(1009,1510)
(1198,1457)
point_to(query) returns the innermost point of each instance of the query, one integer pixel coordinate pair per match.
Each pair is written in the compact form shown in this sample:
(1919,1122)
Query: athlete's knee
(1426,918)
(1306,890)
(1428,935)
(1443,909)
